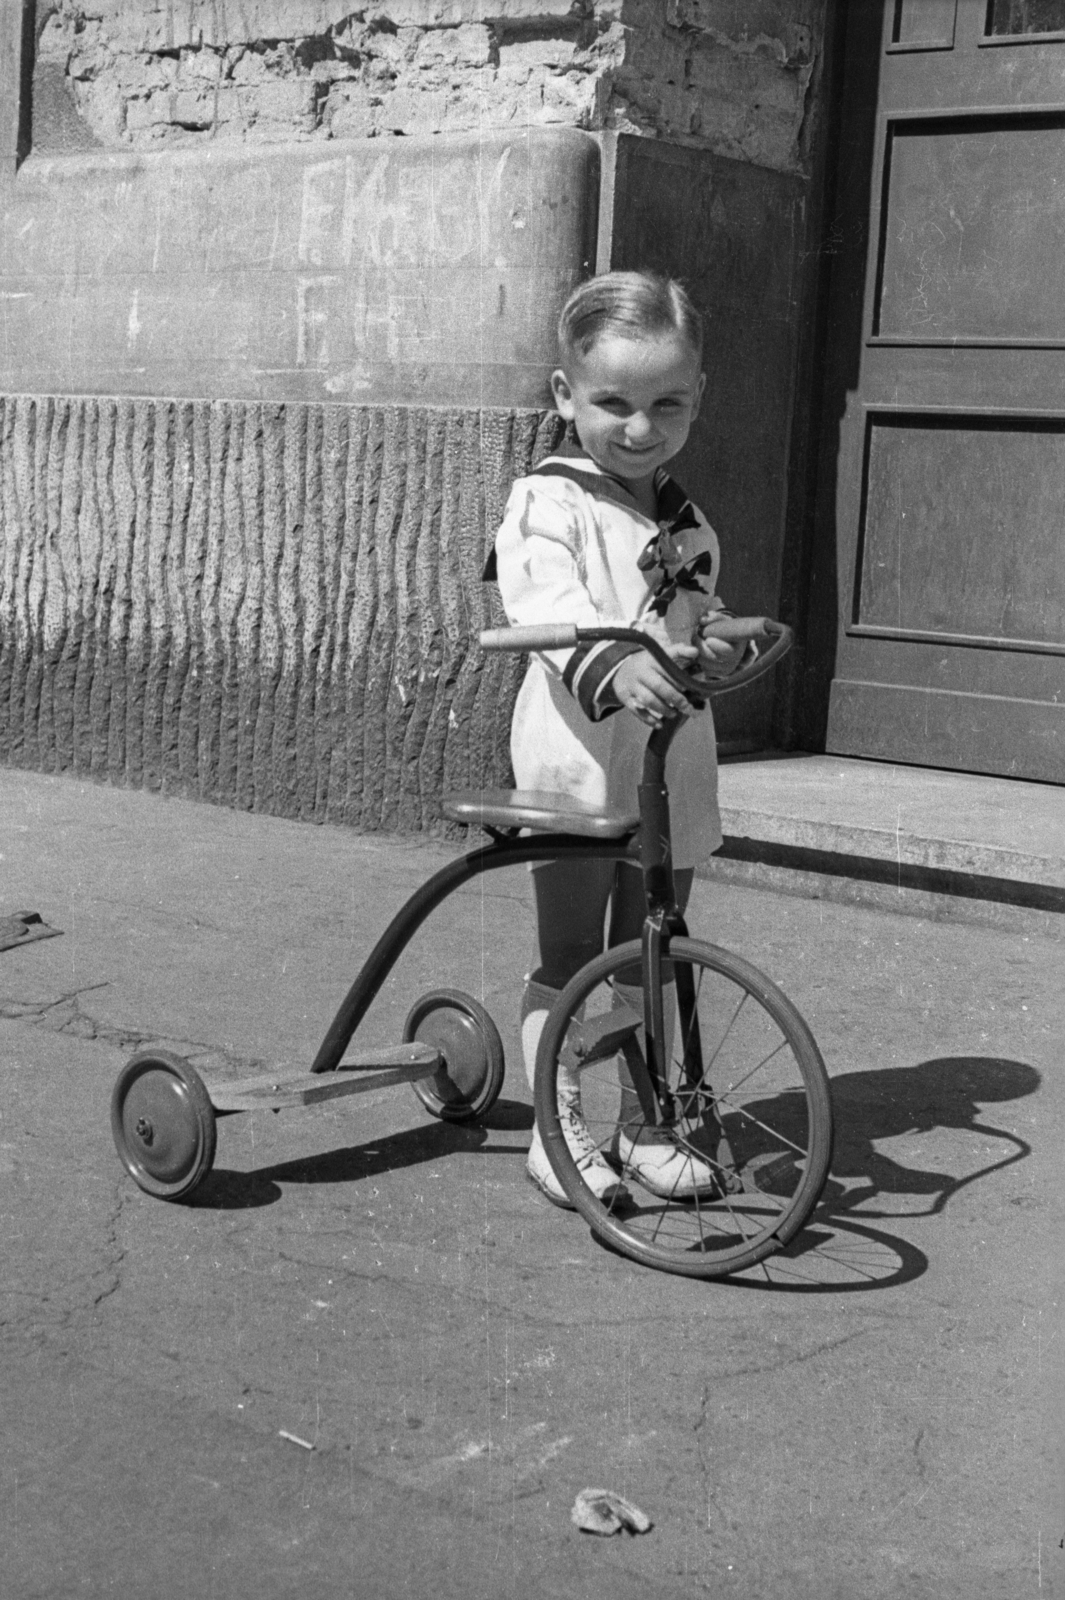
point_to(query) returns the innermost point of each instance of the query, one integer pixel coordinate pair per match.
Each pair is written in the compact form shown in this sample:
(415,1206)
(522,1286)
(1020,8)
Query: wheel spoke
(747,1076)
(744,997)
(741,1111)
(764,1180)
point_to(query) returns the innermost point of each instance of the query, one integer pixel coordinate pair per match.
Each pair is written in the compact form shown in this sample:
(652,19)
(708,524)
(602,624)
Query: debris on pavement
(295,1439)
(22,927)
(603,1511)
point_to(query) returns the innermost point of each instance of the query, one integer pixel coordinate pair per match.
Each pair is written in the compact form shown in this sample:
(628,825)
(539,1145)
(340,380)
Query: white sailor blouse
(573,547)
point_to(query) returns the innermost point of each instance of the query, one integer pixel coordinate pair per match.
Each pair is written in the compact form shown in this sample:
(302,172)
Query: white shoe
(542,1173)
(598,1175)
(665,1168)
(592,1165)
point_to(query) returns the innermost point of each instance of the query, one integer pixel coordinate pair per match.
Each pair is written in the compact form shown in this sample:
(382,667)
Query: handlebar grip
(736,630)
(537,636)
(782,640)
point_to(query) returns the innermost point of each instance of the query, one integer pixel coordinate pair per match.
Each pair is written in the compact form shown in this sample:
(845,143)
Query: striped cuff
(587,671)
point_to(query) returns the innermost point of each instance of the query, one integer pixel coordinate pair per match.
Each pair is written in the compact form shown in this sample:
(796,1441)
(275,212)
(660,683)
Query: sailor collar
(675,510)
(570,461)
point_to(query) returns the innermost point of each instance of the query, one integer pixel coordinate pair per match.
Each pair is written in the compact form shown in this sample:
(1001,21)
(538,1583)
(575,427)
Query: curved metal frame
(648,847)
(504,851)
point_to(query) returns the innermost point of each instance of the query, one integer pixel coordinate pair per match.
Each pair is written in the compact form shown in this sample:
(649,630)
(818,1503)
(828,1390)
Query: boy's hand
(718,657)
(643,688)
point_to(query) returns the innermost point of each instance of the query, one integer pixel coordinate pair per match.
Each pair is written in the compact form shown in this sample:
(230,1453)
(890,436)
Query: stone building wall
(280,280)
(229,567)
(731,76)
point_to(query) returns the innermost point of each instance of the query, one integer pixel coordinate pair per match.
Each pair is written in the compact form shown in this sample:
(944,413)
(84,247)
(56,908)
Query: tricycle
(721,1061)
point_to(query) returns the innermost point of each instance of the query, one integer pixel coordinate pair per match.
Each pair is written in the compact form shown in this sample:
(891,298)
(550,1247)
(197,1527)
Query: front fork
(694,1103)
(657,929)
(662,922)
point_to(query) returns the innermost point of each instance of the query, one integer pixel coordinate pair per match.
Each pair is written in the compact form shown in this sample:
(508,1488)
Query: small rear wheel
(163,1124)
(457,1025)
(752,1111)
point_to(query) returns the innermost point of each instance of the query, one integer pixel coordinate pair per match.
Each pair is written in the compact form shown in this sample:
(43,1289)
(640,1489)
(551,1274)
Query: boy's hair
(633,304)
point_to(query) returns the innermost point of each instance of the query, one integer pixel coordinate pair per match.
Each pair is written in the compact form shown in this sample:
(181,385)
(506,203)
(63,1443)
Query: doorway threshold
(918,840)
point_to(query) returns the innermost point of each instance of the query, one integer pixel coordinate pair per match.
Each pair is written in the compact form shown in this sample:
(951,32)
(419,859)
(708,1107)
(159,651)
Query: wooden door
(947,345)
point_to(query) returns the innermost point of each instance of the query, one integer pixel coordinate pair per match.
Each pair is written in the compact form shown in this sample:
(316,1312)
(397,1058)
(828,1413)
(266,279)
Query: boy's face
(632,401)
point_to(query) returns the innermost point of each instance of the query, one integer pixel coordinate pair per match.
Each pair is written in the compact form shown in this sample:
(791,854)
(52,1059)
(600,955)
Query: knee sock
(536,1002)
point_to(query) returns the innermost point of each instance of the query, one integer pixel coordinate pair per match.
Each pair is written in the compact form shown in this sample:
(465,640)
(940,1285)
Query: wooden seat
(537,809)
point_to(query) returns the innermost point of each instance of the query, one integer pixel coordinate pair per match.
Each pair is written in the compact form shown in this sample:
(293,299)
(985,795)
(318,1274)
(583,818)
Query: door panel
(973,204)
(948,565)
(923,25)
(1010,19)
(948,478)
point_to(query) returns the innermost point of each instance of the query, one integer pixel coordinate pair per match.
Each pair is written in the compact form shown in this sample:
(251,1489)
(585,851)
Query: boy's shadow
(225,1190)
(945,1093)
(836,1250)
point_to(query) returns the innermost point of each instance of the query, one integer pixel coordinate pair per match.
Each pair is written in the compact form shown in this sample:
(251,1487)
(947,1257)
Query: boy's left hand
(717,657)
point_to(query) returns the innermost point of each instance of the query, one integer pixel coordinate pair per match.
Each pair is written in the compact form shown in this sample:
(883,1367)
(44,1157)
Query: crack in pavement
(56,1306)
(702,1450)
(114,1252)
(66,1015)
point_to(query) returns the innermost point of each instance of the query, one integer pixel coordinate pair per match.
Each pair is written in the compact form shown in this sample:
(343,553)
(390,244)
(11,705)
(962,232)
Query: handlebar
(538,636)
(693,684)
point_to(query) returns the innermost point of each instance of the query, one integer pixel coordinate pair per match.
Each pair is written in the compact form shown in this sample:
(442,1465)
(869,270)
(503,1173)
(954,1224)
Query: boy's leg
(628,908)
(659,1164)
(571,902)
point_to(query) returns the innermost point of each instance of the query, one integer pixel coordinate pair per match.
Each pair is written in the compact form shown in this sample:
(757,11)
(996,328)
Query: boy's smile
(631,400)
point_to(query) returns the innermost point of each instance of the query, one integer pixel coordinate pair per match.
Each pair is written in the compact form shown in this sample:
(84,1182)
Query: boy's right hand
(643,688)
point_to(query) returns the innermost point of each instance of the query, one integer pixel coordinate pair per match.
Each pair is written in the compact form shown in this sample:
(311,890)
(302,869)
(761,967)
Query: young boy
(599,534)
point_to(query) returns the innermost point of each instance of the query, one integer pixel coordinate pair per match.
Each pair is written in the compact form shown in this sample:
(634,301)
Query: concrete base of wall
(269,606)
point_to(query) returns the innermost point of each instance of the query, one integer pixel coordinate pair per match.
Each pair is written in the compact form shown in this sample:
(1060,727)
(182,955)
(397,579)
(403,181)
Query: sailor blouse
(574,547)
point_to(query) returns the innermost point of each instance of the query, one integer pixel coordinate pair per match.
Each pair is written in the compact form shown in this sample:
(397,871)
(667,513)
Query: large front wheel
(746,1141)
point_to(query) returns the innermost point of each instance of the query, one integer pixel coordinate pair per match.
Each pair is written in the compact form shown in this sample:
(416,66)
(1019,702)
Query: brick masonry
(732,76)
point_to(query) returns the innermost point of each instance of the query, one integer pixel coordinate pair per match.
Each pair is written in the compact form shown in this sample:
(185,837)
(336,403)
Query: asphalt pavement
(369,1360)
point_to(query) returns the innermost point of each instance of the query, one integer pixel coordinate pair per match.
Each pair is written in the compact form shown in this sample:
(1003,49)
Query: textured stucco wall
(267,606)
(732,76)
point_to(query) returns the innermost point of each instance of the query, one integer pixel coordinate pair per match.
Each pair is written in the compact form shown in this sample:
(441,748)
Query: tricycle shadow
(837,1251)
(226,1190)
(844,1248)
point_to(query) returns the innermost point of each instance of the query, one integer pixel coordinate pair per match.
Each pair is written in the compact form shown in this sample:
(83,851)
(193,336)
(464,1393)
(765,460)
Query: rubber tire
(457,1025)
(610,1228)
(159,1084)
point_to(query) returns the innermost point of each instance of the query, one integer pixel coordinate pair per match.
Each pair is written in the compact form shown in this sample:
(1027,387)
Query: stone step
(796,821)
